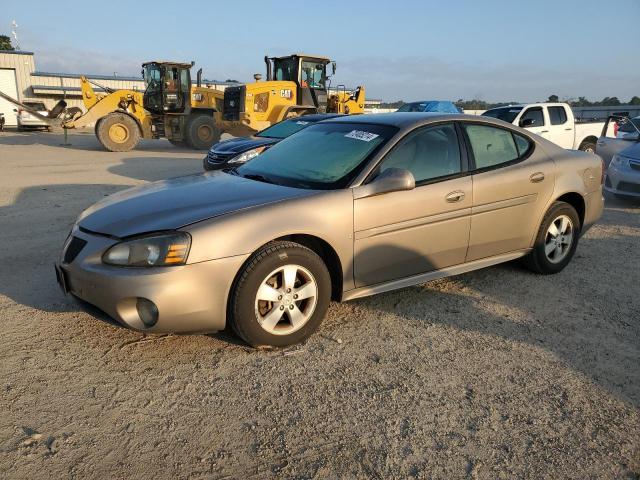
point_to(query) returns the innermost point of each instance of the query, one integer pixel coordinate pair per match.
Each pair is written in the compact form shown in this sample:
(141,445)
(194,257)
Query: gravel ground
(498,373)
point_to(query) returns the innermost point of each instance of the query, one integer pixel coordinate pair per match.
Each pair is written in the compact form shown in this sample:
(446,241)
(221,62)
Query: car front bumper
(623,180)
(190,298)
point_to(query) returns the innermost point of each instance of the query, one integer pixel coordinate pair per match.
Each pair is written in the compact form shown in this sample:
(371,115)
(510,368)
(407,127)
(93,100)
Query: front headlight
(246,156)
(154,250)
(617,161)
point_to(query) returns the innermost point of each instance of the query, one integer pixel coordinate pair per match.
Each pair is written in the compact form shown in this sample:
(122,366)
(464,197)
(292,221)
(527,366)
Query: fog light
(147,311)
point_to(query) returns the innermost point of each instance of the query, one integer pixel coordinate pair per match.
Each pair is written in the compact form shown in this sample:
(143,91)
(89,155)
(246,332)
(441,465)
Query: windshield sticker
(301,122)
(360,135)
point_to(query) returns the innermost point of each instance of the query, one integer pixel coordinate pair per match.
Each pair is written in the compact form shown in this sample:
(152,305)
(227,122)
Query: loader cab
(309,74)
(168,87)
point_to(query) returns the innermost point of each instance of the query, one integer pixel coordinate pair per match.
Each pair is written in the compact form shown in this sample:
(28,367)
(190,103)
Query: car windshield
(324,156)
(38,106)
(413,107)
(630,126)
(508,114)
(284,129)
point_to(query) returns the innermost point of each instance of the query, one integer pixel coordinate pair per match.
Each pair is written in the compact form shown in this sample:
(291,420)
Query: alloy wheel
(286,299)
(559,239)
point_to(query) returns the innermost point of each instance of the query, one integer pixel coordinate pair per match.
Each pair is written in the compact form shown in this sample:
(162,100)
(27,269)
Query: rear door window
(491,146)
(557,115)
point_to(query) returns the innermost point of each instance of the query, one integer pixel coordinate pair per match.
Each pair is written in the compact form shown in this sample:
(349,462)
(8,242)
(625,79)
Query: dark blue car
(440,106)
(236,151)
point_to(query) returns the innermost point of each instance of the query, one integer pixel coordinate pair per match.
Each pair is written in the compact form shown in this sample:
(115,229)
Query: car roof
(412,119)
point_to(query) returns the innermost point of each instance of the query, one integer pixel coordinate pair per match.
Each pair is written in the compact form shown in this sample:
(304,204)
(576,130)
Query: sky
(493,50)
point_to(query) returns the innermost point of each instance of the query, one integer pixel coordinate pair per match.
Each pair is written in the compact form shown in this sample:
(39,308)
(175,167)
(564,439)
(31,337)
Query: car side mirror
(389,180)
(527,122)
(632,137)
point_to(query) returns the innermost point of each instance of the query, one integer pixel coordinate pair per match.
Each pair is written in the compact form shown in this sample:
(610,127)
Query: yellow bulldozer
(170,107)
(296,85)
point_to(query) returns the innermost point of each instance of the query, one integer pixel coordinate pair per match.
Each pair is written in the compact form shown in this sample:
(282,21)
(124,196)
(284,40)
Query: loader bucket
(47,119)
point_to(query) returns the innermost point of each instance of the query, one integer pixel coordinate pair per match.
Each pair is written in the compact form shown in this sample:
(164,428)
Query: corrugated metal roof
(93,77)
(16,52)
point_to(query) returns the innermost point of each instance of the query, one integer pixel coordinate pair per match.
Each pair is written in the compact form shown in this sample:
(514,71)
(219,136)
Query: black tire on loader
(201,131)
(118,132)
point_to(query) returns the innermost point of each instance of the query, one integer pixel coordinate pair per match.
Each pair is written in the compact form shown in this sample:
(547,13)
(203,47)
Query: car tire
(556,240)
(589,147)
(118,132)
(264,308)
(201,132)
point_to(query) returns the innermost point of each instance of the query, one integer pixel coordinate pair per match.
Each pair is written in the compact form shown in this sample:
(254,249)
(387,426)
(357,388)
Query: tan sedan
(345,208)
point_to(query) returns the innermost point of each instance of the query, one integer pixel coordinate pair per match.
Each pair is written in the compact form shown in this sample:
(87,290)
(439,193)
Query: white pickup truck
(553,121)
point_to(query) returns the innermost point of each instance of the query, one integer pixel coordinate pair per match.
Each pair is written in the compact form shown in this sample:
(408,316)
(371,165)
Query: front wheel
(118,132)
(556,241)
(281,295)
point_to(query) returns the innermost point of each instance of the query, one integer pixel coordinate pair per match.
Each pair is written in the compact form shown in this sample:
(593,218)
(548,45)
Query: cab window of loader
(285,69)
(313,74)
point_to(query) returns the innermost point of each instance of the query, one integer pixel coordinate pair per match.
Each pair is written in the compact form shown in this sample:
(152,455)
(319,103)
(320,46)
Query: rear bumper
(35,122)
(190,298)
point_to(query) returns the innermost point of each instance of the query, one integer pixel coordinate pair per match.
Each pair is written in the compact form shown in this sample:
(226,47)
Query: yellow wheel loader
(169,107)
(295,85)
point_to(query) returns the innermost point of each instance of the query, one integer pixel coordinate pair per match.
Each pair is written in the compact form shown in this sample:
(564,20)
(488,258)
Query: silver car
(345,208)
(621,154)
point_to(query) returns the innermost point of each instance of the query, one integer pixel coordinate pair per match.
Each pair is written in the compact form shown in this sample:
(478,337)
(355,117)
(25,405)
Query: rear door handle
(537,177)
(544,131)
(455,196)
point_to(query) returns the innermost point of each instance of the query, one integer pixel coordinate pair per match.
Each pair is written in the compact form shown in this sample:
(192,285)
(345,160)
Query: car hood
(631,152)
(240,145)
(177,202)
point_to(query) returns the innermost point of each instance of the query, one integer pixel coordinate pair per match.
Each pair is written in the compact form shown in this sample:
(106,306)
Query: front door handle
(455,196)
(537,177)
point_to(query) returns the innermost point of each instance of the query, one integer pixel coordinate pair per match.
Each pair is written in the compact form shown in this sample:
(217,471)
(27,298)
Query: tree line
(477,104)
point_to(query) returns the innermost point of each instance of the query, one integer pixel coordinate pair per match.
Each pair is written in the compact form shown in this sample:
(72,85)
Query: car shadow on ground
(562,313)
(83,140)
(137,168)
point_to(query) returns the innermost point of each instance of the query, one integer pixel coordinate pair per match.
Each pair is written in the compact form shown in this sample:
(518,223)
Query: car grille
(74,247)
(635,165)
(214,157)
(629,187)
(233,103)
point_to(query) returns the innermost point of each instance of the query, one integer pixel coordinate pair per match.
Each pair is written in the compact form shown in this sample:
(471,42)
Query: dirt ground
(498,373)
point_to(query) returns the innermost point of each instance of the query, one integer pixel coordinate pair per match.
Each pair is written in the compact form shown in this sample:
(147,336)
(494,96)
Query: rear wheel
(118,132)
(201,132)
(556,241)
(281,295)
